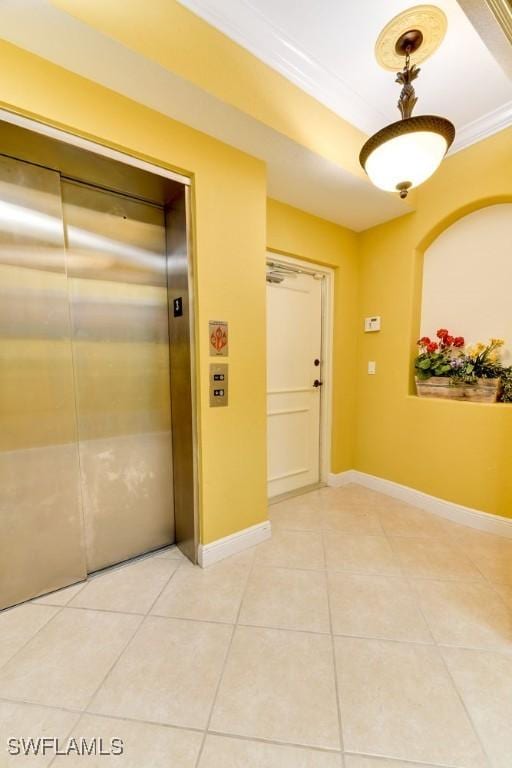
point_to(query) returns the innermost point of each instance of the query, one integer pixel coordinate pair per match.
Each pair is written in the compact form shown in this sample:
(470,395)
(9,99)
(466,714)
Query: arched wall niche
(464,275)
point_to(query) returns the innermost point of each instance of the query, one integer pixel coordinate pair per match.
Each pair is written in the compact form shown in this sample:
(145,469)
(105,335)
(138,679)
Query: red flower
(432,346)
(448,340)
(442,333)
(458,341)
(424,340)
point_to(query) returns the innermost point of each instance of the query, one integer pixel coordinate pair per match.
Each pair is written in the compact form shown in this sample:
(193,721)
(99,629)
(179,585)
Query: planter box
(484,391)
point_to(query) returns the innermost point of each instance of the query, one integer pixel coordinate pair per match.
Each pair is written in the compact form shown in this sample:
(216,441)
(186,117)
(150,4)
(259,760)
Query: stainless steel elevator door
(120,335)
(41,546)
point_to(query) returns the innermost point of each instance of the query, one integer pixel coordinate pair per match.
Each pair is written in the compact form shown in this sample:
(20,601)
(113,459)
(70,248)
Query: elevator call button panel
(218,384)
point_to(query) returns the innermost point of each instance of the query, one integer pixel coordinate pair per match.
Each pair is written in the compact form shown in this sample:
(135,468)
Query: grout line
(226,657)
(399,760)
(129,641)
(67,736)
(333,652)
(24,645)
(260,740)
(84,713)
(90,577)
(34,600)
(316,632)
(450,676)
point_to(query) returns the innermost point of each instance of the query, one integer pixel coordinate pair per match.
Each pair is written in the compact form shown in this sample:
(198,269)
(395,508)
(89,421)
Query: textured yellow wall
(457,451)
(299,234)
(230,198)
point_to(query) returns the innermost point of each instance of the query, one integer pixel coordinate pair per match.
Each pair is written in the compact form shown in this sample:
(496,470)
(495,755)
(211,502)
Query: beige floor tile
(359,521)
(397,700)
(495,566)
(130,588)
(60,596)
(67,660)
(375,606)
(286,598)
(485,682)
(466,614)
(362,761)
(279,685)
(170,553)
(475,542)
(347,498)
(22,722)
(491,554)
(358,493)
(144,745)
(294,517)
(168,674)
(360,554)
(399,519)
(19,624)
(292,549)
(435,559)
(209,594)
(223,752)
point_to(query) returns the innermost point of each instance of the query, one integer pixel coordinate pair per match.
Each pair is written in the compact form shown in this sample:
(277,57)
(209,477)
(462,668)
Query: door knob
(317,383)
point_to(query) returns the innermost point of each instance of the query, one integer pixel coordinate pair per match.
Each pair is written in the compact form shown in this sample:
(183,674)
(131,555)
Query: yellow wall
(223,68)
(457,451)
(299,234)
(229,190)
(453,450)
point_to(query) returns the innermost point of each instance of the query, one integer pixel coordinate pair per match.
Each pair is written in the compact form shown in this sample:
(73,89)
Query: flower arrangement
(448,357)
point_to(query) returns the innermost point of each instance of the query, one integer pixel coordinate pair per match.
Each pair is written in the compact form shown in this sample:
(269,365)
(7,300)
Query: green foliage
(448,357)
(432,364)
(506,385)
(480,363)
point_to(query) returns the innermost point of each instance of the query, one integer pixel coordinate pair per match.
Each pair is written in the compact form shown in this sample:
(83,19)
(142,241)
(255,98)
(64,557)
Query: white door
(294,342)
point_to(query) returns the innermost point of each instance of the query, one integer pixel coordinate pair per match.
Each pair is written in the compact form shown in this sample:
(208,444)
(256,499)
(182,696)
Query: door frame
(129,158)
(315,268)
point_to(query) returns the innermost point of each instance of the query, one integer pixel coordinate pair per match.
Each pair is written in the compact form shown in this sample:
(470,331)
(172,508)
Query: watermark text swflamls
(47,745)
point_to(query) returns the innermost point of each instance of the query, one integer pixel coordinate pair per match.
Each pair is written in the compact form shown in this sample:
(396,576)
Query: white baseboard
(474,518)
(230,545)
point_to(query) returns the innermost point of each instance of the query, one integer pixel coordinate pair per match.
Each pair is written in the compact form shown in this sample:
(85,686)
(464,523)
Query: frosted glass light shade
(404,154)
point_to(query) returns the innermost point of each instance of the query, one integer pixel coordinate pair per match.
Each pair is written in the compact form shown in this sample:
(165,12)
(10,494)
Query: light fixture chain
(407,98)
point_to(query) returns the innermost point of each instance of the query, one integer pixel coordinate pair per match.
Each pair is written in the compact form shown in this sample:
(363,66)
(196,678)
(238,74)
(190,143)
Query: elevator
(97,423)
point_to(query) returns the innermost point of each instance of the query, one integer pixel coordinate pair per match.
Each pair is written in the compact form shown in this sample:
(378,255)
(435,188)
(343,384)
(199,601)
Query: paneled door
(294,380)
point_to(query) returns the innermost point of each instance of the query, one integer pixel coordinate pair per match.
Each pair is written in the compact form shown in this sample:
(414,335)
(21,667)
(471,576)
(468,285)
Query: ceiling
(314,45)
(326,47)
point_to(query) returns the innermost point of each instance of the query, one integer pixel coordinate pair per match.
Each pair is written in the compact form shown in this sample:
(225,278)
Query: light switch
(372,367)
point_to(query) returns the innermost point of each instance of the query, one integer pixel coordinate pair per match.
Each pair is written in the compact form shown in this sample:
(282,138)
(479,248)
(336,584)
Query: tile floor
(365,634)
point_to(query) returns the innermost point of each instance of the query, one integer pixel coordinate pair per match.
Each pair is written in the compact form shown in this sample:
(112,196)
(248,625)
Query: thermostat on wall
(372,324)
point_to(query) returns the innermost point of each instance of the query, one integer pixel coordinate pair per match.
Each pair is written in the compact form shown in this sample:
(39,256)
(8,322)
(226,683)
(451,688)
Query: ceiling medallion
(406,153)
(427,19)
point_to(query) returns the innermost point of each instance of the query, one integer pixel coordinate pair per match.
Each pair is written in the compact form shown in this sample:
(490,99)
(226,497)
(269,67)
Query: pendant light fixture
(406,153)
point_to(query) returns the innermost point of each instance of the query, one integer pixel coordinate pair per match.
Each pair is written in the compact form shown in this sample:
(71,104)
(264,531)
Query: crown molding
(279,51)
(483,127)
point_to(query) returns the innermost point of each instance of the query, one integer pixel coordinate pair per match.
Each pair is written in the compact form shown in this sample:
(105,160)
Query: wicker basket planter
(484,391)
